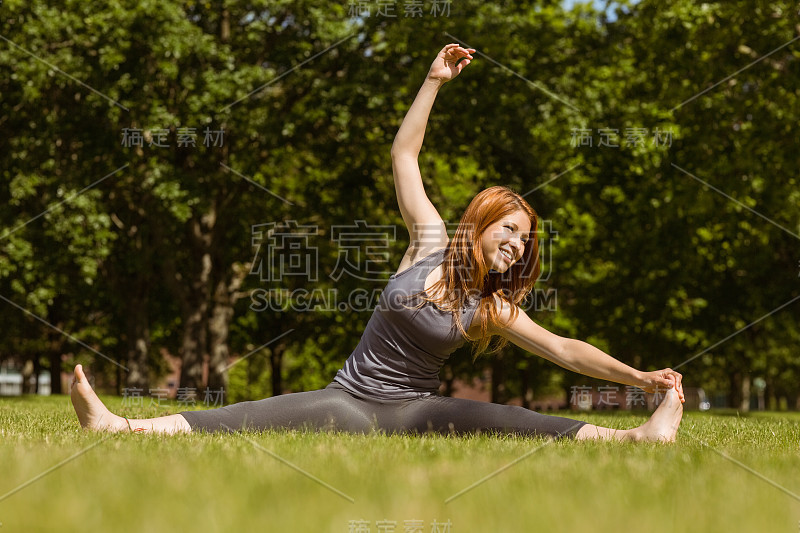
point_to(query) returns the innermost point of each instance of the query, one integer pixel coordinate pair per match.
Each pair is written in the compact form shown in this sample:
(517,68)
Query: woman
(442,294)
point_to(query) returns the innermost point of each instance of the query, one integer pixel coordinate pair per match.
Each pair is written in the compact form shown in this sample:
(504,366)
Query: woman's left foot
(92,414)
(663,424)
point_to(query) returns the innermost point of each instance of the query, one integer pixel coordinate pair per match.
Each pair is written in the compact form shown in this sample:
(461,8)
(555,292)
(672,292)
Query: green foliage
(249,380)
(647,262)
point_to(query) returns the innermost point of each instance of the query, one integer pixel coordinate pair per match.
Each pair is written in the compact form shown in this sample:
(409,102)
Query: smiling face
(504,241)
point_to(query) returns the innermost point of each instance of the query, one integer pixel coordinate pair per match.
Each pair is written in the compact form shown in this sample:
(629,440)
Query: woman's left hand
(663,379)
(449,63)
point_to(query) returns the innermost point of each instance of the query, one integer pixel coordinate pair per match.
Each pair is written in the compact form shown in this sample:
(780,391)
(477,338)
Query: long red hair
(467,275)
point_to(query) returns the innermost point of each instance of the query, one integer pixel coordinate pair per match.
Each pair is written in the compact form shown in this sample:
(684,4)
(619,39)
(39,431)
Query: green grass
(232,482)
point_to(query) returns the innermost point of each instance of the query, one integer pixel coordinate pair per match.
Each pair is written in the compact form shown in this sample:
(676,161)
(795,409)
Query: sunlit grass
(246,482)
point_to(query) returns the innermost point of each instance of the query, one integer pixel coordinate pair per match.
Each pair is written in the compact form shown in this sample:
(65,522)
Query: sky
(598,4)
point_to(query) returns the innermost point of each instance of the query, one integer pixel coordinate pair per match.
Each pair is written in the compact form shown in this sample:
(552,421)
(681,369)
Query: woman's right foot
(663,424)
(92,414)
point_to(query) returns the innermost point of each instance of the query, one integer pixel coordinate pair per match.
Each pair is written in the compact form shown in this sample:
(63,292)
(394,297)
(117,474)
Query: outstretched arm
(420,216)
(580,356)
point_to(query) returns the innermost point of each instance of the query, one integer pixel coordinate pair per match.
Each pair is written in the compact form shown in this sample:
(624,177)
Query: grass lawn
(244,482)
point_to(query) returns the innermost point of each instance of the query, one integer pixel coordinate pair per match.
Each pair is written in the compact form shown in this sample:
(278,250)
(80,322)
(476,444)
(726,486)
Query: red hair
(466,274)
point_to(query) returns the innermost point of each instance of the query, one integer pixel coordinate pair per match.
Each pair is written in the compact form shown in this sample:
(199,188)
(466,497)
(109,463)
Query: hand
(447,66)
(663,379)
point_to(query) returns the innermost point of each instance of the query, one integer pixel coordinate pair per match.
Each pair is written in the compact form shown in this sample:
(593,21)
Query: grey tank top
(405,345)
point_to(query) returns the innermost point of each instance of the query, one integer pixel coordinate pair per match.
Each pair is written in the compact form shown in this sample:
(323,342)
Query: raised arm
(580,356)
(425,226)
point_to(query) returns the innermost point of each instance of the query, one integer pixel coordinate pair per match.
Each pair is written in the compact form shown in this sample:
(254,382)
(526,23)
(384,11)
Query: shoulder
(415,254)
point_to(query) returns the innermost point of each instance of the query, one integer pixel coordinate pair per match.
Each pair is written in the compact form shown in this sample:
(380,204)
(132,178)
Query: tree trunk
(192,290)
(225,26)
(218,327)
(193,344)
(525,389)
(276,364)
(735,387)
(37,369)
(225,296)
(498,387)
(27,372)
(195,325)
(138,342)
(744,405)
(448,379)
(54,358)
(55,373)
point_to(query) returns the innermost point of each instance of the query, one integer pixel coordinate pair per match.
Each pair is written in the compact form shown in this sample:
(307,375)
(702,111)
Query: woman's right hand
(446,66)
(663,379)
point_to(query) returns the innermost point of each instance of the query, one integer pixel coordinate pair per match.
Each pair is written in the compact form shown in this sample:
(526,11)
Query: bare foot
(663,425)
(92,414)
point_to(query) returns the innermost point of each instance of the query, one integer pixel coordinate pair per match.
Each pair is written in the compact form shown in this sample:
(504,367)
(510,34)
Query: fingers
(458,50)
(668,379)
(675,379)
(678,379)
(455,45)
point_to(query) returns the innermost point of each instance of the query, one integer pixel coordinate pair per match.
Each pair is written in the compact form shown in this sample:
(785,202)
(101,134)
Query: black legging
(336,408)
